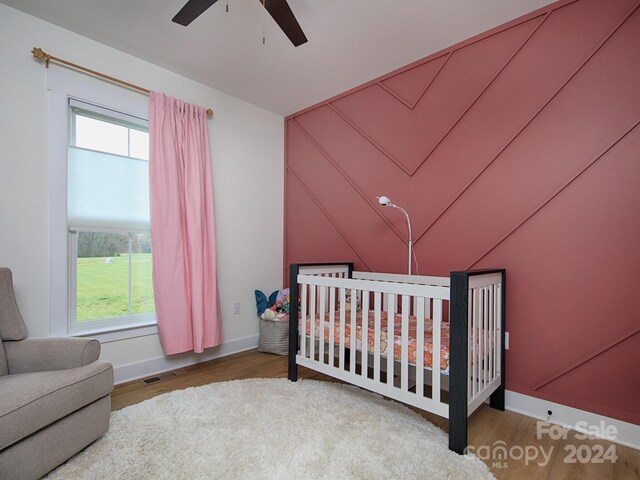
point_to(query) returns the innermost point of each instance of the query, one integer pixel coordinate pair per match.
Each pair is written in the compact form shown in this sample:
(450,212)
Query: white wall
(247,159)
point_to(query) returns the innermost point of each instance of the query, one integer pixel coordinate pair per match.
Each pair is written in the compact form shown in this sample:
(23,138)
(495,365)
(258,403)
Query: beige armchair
(55,396)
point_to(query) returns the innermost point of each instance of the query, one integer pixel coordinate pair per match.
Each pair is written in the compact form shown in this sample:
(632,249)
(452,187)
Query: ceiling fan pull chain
(264,22)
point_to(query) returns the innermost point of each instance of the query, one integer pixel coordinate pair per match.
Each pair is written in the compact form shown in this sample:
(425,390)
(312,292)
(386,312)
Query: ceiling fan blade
(192,10)
(286,20)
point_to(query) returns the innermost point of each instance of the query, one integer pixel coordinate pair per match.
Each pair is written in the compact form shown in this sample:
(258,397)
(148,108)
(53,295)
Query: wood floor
(486,426)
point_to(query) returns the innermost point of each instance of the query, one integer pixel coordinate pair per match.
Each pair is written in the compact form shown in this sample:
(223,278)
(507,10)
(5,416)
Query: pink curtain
(182,228)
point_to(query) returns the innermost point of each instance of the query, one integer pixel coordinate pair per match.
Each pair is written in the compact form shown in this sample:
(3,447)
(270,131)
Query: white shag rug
(270,429)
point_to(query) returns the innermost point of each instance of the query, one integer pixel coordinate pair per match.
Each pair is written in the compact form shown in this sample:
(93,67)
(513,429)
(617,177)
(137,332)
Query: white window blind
(107,170)
(107,191)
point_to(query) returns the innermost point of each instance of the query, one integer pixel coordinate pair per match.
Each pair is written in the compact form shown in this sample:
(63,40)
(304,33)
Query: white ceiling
(350,41)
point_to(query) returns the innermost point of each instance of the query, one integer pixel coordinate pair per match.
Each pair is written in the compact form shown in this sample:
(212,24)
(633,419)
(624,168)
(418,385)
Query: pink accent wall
(518,148)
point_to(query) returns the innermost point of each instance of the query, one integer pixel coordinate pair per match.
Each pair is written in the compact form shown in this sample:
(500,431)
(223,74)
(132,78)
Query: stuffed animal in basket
(276,307)
(268,314)
(282,301)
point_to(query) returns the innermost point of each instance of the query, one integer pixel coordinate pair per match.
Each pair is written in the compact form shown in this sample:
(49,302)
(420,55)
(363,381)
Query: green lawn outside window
(103,286)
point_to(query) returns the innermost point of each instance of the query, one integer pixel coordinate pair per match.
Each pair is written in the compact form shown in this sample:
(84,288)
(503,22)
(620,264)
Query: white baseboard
(627,434)
(153,366)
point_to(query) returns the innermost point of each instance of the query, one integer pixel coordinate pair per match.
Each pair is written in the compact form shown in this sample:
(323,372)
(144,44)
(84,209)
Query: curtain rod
(42,56)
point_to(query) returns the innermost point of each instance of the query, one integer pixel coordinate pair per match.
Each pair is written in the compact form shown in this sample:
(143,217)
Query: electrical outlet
(236,309)
(506,340)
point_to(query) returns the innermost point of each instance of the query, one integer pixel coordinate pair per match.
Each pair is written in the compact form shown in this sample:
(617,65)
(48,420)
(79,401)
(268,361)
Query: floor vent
(158,378)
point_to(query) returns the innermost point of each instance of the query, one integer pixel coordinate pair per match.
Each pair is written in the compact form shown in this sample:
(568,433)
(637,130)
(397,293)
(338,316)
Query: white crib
(336,339)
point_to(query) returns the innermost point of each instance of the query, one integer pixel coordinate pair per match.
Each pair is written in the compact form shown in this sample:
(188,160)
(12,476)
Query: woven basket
(274,336)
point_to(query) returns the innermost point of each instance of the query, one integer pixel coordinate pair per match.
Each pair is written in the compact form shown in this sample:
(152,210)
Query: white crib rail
(384,374)
(400,278)
(333,270)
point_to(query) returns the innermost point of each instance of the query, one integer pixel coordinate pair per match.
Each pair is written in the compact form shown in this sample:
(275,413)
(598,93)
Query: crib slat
(376,336)
(420,347)
(391,308)
(404,362)
(486,352)
(332,325)
(343,299)
(386,302)
(491,334)
(321,328)
(499,331)
(312,324)
(437,333)
(487,343)
(496,327)
(469,347)
(480,338)
(303,341)
(365,334)
(353,350)
(474,344)
(325,302)
(478,357)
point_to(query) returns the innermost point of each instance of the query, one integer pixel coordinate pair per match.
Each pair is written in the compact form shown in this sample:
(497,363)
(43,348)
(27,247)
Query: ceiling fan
(278,9)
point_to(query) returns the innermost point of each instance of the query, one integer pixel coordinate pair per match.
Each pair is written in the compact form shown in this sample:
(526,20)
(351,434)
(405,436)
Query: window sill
(114,334)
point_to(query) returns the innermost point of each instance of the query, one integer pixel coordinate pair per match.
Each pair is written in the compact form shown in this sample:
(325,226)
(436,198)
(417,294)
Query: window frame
(64,85)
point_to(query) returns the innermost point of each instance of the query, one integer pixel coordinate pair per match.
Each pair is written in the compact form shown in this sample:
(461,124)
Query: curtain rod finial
(209,113)
(41,55)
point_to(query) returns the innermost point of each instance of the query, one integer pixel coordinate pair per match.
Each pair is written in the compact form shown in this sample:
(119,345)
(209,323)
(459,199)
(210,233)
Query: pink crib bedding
(384,340)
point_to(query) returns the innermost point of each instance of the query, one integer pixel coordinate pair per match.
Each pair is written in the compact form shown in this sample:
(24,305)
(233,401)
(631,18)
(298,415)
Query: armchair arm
(46,354)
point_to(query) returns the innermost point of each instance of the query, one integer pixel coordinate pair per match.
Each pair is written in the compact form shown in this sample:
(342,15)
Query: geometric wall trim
(410,85)
(415,132)
(517,148)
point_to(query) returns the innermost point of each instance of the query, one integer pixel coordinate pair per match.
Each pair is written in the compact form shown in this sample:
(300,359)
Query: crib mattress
(384,337)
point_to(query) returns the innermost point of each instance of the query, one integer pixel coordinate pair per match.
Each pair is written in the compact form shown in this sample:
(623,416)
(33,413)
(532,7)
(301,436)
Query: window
(109,254)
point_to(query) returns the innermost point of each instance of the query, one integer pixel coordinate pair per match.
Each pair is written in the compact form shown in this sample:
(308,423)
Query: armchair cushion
(31,401)
(45,354)
(12,326)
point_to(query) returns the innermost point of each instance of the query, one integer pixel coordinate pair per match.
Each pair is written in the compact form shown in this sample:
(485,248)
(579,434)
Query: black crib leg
(458,363)
(293,369)
(458,430)
(458,406)
(496,400)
